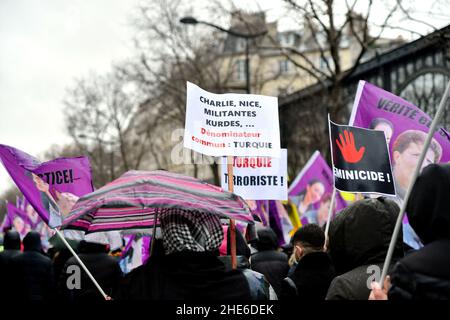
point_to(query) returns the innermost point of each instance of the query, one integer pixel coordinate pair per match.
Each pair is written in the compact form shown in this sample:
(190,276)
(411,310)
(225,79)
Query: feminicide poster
(258,178)
(360,160)
(231,124)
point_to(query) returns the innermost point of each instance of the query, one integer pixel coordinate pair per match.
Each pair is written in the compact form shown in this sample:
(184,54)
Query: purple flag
(51,187)
(405,127)
(312,189)
(17,219)
(279,221)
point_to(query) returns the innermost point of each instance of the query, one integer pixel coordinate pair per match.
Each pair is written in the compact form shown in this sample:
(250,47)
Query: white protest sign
(261,178)
(231,124)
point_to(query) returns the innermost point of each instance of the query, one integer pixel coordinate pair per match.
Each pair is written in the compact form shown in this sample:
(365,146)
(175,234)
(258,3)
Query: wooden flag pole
(232,223)
(398,224)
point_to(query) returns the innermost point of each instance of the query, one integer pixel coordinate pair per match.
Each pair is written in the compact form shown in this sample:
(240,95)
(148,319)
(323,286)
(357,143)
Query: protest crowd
(158,235)
(191,259)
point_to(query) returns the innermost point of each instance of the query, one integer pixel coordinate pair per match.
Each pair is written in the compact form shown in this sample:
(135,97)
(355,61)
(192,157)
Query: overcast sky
(44,45)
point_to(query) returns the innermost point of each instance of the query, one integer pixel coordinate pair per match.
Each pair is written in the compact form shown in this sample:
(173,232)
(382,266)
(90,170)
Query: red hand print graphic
(348,148)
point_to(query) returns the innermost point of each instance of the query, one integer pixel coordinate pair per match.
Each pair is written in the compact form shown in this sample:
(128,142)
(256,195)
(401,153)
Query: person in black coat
(359,238)
(425,274)
(103,267)
(185,264)
(314,271)
(11,246)
(268,261)
(32,271)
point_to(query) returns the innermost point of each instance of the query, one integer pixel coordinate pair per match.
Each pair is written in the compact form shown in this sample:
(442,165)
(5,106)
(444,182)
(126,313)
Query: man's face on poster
(406,162)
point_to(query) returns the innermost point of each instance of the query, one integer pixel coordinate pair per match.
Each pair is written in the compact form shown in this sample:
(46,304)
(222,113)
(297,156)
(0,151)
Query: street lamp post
(247,37)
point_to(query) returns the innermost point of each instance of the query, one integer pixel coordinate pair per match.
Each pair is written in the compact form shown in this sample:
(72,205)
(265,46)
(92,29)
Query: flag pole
(398,224)
(81,264)
(330,212)
(232,223)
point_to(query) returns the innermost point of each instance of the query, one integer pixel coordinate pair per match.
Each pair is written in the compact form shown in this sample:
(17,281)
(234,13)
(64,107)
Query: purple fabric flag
(146,242)
(129,238)
(51,187)
(405,127)
(17,219)
(279,221)
(312,189)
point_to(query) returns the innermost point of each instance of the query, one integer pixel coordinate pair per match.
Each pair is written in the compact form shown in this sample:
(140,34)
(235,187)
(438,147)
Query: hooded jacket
(32,271)
(359,238)
(425,274)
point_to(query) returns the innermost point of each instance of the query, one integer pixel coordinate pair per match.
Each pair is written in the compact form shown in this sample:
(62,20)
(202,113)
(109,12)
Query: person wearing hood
(11,248)
(93,251)
(272,263)
(32,271)
(187,264)
(359,238)
(425,274)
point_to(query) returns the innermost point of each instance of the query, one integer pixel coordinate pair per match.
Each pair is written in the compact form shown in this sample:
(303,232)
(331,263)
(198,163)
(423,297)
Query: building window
(286,39)
(239,70)
(284,66)
(323,62)
(240,44)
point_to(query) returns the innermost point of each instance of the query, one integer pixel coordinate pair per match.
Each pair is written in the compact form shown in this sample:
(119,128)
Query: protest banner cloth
(13,213)
(375,108)
(360,160)
(259,178)
(50,186)
(231,124)
(405,126)
(428,140)
(312,190)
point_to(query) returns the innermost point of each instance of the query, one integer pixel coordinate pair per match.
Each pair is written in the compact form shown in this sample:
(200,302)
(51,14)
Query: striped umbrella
(133,200)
